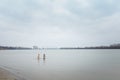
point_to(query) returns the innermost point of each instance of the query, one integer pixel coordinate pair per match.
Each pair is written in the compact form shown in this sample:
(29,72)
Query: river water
(83,64)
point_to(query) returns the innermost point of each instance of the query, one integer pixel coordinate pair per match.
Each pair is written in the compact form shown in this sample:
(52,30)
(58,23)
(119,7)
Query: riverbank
(6,75)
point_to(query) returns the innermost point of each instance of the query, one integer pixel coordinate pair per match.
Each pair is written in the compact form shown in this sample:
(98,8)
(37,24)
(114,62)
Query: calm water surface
(63,64)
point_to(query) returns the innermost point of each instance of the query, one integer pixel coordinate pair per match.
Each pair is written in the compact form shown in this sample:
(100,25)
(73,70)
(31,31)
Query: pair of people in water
(44,56)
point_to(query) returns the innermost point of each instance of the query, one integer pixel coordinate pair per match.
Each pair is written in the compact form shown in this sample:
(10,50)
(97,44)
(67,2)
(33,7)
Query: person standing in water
(38,57)
(44,56)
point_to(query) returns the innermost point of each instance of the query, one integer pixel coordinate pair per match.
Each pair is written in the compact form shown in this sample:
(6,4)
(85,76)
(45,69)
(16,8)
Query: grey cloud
(59,23)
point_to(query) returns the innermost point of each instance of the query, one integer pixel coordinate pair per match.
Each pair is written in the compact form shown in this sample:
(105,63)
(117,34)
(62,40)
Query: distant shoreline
(87,48)
(94,48)
(113,46)
(65,49)
(14,48)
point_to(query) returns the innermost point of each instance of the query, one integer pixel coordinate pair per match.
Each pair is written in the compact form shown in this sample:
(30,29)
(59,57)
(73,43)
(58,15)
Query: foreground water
(63,64)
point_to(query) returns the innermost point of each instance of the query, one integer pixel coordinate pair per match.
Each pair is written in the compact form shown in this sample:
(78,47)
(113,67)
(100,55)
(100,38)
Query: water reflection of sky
(73,62)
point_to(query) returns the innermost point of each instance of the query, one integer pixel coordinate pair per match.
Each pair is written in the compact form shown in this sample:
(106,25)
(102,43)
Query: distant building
(35,47)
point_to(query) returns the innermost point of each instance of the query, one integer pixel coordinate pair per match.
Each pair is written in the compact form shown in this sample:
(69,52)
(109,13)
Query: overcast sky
(59,23)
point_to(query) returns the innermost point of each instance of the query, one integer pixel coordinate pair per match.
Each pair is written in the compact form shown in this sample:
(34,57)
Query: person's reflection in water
(38,58)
